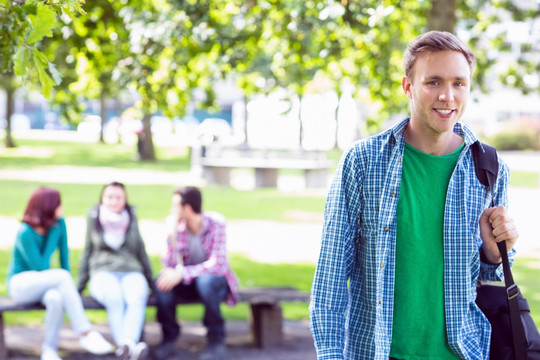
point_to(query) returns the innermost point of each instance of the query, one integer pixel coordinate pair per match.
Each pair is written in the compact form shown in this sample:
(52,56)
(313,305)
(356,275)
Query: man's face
(439,90)
(176,206)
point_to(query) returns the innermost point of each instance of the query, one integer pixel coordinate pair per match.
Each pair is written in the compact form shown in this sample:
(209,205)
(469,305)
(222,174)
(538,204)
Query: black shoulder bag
(514,335)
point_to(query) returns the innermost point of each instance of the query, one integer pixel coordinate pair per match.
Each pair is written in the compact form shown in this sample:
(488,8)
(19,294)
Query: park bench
(216,166)
(266,320)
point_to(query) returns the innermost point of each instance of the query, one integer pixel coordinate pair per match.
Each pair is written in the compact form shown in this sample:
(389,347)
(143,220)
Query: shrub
(516,139)
(523,134)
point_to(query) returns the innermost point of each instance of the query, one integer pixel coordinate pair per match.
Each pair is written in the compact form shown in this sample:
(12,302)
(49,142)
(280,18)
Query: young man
(408,230)
(194,267)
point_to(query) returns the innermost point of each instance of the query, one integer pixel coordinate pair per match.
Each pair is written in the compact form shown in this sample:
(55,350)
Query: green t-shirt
(419,330)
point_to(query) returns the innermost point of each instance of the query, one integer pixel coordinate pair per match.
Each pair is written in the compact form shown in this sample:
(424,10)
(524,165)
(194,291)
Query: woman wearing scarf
(116,265)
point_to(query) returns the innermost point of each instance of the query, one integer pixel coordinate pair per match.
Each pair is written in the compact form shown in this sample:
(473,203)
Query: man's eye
(433,82)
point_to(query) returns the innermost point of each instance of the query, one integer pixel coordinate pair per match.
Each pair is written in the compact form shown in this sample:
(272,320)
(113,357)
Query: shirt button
(382,265)
(379,302)
(386,228)
(393,195)
(399,159)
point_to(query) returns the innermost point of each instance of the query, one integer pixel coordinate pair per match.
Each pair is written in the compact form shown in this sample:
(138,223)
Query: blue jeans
(124,296)
(55,289)
(208,289)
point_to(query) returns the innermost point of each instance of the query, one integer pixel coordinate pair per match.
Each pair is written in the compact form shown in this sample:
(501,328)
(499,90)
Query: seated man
(195,266)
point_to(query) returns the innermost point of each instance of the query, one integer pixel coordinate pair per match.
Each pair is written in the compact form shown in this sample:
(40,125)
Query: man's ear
(406,85)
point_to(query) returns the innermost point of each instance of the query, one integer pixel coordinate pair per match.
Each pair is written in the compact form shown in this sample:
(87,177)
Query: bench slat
(249,295)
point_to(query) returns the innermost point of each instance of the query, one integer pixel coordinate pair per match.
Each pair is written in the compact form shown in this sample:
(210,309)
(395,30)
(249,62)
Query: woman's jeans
(208,289)
(124,295)
(55,289)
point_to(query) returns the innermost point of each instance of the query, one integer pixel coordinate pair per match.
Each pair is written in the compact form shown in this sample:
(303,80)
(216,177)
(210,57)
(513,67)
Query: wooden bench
(218,170)
(215,163)
(266,318)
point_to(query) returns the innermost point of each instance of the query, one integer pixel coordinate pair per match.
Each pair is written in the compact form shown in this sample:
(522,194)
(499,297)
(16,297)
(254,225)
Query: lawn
(31,154)
(153,201)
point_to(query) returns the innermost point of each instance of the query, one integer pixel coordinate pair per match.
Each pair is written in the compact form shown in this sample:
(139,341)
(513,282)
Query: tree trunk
(145,143)
(246,139)
(442,15)
(301,128)
(10,105)
(102,114)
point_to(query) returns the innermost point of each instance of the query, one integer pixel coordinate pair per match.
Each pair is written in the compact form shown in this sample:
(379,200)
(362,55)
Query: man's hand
(168,279)
(496,226)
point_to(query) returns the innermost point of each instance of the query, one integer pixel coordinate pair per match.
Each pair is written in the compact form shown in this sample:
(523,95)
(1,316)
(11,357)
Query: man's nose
(446,94)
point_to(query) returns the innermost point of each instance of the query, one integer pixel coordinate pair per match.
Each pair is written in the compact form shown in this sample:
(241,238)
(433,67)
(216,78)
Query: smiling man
(408,230)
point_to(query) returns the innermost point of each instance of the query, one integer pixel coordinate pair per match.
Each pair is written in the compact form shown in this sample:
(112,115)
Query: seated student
(30,278)
(194,267)
(116,263)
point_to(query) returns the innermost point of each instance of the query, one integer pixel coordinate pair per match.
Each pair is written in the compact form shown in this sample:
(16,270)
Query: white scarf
(114,226)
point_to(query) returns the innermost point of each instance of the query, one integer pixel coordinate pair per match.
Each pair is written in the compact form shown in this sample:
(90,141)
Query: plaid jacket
(352,296)
(214,244)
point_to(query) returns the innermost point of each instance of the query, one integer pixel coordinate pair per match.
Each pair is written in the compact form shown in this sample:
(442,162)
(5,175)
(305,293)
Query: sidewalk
(297,345)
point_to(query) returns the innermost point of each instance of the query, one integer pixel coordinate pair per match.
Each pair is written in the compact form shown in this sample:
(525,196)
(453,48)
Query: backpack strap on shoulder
(486,164)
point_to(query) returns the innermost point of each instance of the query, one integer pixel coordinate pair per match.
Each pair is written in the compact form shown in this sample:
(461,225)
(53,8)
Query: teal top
(33,251)
(418,330)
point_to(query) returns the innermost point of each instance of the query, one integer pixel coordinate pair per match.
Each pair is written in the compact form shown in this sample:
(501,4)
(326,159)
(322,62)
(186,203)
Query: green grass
(153,201)
(250,273)
(31,154)
(525,179)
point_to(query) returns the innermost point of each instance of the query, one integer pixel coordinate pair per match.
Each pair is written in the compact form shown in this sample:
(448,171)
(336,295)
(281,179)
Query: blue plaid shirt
(353,289)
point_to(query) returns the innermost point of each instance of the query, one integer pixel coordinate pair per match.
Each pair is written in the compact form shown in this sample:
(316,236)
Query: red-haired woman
(30,278)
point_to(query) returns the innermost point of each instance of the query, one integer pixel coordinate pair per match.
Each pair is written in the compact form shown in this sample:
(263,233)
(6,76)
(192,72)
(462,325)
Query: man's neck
(433,143)
(194,223)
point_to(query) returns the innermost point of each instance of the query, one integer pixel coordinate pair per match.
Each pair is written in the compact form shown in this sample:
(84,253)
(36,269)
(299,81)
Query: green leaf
(72,8)
(22,62)
(41,56)
(42,23)
(46,82)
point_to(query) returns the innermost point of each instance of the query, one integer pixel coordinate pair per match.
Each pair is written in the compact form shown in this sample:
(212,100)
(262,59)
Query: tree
(178,48)
(23,25)
(89,55)
(319,44)
(8,83)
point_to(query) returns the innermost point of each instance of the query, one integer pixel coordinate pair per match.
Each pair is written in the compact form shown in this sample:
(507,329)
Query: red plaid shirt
(213,239)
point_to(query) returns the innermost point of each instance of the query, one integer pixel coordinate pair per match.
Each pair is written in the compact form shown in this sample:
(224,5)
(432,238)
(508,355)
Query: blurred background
(253,101)
(309,75)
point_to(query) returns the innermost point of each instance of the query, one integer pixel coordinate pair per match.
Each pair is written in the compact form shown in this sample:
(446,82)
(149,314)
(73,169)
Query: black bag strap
(486,165)
(487,168)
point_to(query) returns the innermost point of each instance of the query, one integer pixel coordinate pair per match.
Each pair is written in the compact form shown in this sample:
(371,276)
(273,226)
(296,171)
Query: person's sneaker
(214,352)
(140,352)
(49,354)
(164,351)
(95,344)
(122,351)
